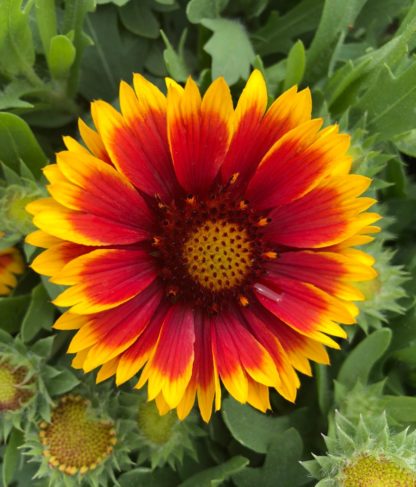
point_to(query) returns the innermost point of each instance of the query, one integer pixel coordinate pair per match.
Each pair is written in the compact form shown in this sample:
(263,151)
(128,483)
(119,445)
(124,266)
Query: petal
(199,132)
(291,109)
(79,227)
(170,368)
(242,157)
(329,271)
(305,308)
(133,359)
(227,358)
(104,279)
(112,332)
(137,141)
(38,238)
(325,216)
(53,260)
(296,164)
(93,141)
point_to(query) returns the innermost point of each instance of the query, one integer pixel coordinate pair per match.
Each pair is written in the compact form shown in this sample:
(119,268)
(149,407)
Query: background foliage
(358,58)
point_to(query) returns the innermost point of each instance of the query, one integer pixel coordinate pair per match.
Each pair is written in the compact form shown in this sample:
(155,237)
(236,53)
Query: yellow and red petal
(93,141)
(169,369)
(325,216)
(296,164)
(135,357)
(51,261)
(199,133)
(332,272)
(305,308)
(137,140)
(103,279)
(11,264)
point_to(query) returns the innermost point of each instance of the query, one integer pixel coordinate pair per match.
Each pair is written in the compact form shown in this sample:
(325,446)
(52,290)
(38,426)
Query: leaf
(216,475)
(138,17)
(40,314)
(61,56)
(230,49)
(119,3)
(17,53)
(175,61)
(393,113)
(145,477)
(281,467)
(62,383)
(197,10)
(112,57)
(46,21)
(277,35)
(295,65)
(12,311)
(11,96)
(360,361)
(406,143)
(337,17)
(11,456)
(400,408)
(17,142)
(251,428)
(43,347)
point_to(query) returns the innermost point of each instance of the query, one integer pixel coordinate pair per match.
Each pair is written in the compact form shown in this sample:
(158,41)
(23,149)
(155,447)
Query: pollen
(371,471)
(14,387)
(75,440)
(218,255)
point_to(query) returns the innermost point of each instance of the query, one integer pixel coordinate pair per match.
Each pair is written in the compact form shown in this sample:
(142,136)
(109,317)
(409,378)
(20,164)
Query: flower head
(204,244)
(11,264)
(15,390)
(366,453)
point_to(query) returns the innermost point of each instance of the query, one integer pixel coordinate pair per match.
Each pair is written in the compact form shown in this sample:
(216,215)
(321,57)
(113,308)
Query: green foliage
(358,59)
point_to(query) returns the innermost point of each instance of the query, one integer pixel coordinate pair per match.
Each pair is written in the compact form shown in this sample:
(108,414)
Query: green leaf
(216,475)
(145,477)
(112,57)
(336,18)
(230,49)
(138,17)
(392,113)
(17,142)
(61,56)
(11,456)
(119,3)
(17,53)
(400,408)
(277,35)
(62,383)
(46,21)
(406,143)
(295,65)
(175,61)
(197,10)
(12,311)
(40,314)
(281,467)
(43,347)
(360,361)
(251,428)
(11,96)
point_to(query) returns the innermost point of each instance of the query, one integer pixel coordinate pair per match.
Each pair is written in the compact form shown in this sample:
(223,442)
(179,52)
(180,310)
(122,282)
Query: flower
(11,263)
(204,244)
(365,453)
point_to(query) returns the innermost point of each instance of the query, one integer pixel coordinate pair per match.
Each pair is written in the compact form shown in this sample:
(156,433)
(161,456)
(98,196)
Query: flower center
(74,440)
(13,390)
(211,251)
(218,254)
(370,471)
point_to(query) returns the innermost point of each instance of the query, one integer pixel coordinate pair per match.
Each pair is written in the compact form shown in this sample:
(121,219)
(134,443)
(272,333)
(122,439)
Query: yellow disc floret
(218,255)
(75,440)
(371,471)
